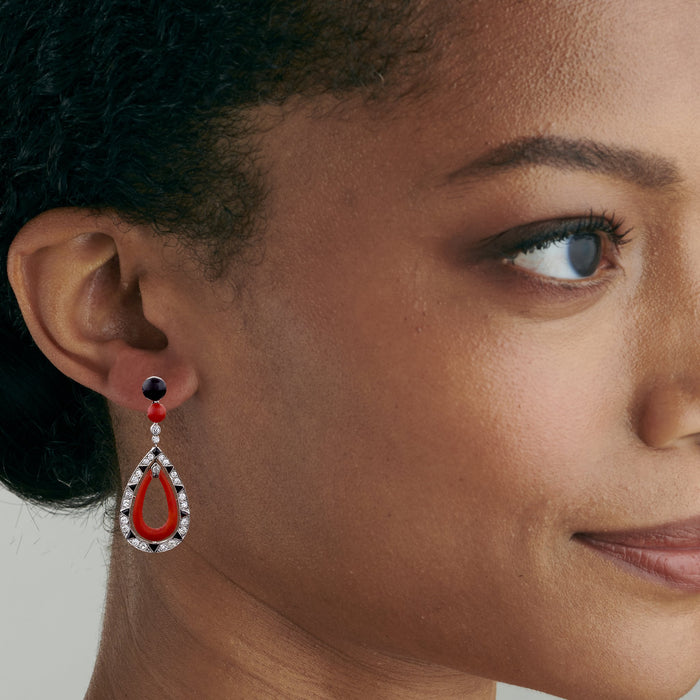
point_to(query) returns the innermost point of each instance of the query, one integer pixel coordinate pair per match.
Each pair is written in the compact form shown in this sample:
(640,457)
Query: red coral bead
(156,412)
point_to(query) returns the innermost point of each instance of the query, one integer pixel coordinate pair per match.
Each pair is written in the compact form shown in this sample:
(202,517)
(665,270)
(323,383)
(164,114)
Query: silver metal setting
(162,468)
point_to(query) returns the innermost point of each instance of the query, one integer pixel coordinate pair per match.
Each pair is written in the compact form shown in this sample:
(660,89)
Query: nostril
(669,415)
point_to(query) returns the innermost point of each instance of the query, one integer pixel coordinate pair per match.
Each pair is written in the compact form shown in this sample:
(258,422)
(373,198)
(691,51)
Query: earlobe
(78,279)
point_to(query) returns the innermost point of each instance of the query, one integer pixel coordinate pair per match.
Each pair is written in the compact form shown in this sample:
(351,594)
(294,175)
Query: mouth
(668,554)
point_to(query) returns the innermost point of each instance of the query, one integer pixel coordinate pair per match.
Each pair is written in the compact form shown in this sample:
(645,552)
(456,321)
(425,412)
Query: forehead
(623,73)
(572,60)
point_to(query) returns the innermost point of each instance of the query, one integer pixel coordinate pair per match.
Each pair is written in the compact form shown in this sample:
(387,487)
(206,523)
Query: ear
(101,304)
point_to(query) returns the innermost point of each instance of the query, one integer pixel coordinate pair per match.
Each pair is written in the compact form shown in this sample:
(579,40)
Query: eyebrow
(637,167)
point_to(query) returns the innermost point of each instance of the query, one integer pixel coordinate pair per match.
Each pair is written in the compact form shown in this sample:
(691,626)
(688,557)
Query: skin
(388,437)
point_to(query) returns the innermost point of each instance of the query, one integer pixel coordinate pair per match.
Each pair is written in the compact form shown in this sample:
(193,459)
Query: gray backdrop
(52,576)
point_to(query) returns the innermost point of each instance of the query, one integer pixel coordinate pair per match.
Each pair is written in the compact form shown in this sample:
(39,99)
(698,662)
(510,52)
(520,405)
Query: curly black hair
(139,107)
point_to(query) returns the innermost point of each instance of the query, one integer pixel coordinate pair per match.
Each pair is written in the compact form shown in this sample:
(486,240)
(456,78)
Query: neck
(175,627)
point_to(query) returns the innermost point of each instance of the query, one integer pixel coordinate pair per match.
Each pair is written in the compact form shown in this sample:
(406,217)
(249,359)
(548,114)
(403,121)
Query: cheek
(471,411)
(407,404)
(420,417)
(437,453)
(548,406)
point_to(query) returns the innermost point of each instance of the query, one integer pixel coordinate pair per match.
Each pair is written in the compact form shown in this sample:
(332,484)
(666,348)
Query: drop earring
(155,465)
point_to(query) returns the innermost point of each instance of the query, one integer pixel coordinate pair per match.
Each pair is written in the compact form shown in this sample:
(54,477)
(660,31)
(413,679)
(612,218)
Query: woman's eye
(568,249)
(574,257)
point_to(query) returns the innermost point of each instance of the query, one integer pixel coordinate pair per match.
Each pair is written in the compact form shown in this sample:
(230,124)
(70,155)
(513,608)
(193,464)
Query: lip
(668,554)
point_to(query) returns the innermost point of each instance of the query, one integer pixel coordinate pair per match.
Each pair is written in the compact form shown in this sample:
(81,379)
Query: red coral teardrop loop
(131,521)
(155,534)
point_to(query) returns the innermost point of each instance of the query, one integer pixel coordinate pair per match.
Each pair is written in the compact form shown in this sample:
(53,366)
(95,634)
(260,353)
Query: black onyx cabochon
(154,388)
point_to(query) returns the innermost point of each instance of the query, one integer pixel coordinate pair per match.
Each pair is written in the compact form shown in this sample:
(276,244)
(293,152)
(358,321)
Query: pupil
(584,254)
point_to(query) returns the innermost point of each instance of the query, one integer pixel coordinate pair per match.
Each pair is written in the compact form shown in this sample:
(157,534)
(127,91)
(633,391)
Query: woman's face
(428,416)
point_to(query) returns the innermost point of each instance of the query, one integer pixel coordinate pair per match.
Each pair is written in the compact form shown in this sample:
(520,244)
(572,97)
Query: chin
(623,689)
(641,678)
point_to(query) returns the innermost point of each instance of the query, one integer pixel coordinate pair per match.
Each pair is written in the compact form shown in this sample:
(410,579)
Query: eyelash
(591,225)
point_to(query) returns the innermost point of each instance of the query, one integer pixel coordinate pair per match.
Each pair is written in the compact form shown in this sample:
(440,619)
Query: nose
(668,361)
(670,413)
(666,319)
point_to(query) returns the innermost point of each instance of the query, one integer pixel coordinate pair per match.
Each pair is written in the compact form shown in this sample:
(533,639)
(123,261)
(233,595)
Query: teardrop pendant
(131,520)
(154,465)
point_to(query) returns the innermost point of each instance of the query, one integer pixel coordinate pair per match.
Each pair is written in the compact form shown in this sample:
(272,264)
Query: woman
(421,278)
